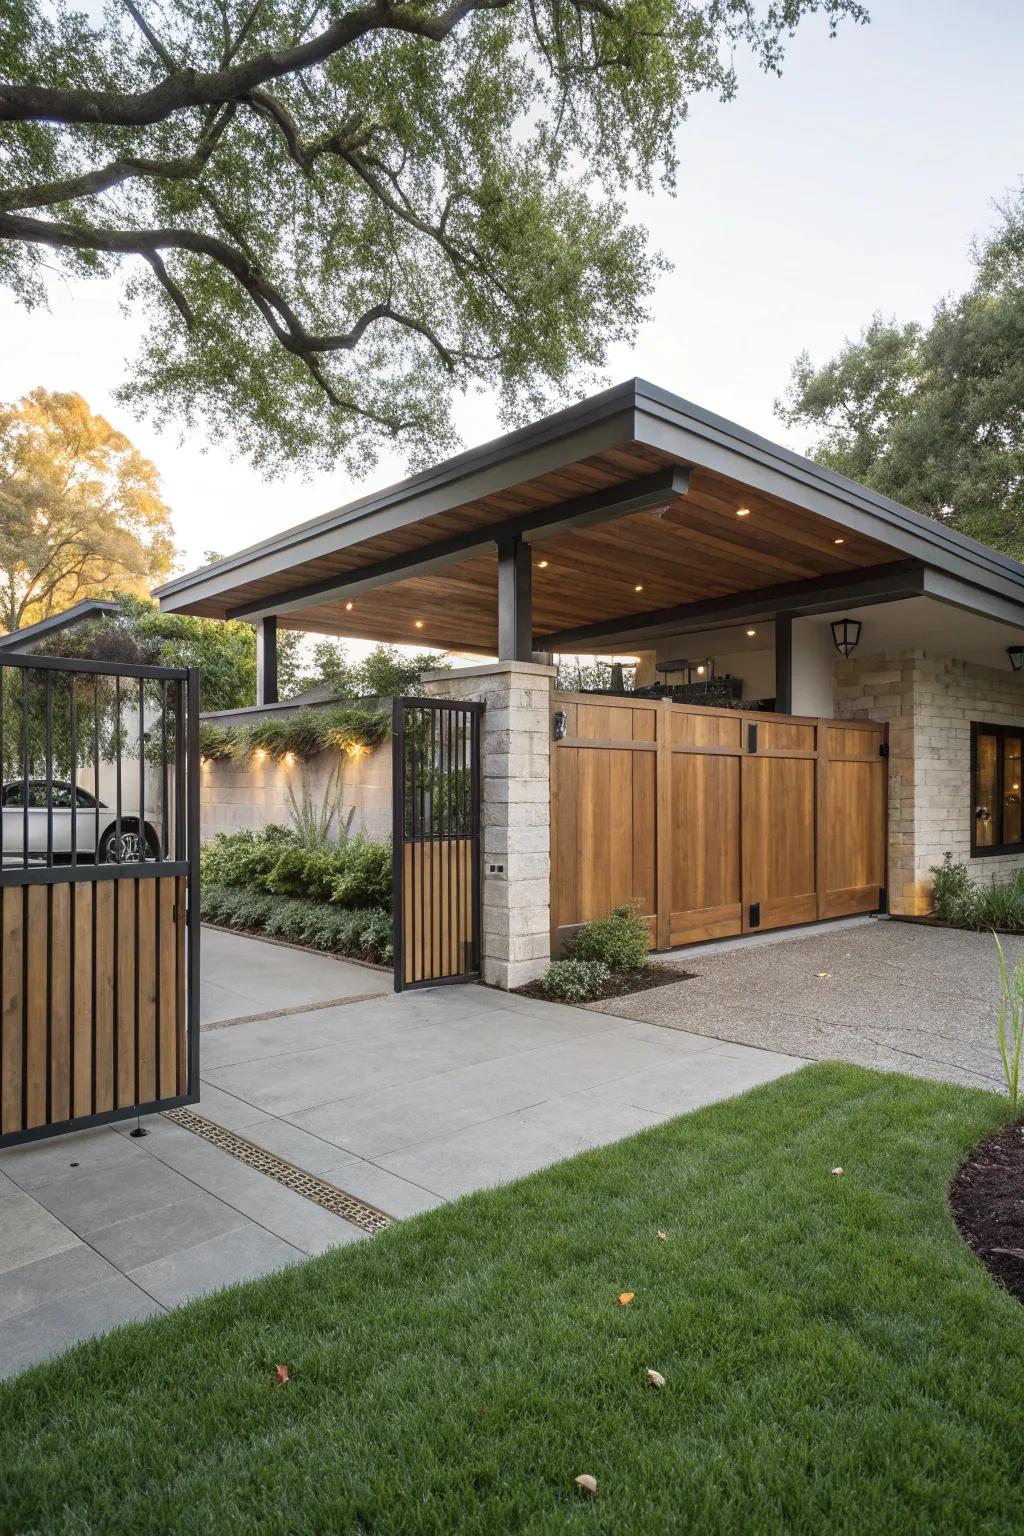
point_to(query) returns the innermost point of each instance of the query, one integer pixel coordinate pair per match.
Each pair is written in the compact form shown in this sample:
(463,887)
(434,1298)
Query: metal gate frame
(417,777)
(180,862)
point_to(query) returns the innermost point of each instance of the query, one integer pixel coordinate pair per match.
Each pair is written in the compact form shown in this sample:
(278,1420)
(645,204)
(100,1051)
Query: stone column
(515,759)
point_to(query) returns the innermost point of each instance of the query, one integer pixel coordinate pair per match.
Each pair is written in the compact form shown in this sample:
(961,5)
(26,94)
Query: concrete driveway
(400,1102)
(898,996)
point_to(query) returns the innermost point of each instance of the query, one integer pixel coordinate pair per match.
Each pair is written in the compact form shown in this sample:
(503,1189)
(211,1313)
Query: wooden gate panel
(705,847)
(698,816)
(778,842)
(99,967)
(605,814)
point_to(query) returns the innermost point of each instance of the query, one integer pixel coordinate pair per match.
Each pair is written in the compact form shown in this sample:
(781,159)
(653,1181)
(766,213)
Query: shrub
(242,858)
(364,934)
(955,893)
(365,877)
(302,872)
(304,734)
(574,981)
(619,940)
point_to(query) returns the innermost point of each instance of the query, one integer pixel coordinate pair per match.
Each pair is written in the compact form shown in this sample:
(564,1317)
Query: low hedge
(363,933)
(352,874)
(960,900)
(303,734)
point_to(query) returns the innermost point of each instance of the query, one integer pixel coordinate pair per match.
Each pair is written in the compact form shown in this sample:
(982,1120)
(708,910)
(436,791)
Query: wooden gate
(713,822)
(436,870)
(99,930)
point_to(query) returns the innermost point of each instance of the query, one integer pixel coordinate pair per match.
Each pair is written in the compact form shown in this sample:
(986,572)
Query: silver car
(94,836)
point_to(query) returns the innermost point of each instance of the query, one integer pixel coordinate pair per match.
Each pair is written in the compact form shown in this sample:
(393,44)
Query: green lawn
(836,1361)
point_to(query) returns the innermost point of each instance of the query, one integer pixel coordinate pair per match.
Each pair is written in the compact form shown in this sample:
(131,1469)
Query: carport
(635,521)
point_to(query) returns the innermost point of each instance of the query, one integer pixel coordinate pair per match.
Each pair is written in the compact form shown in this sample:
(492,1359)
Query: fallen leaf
(626,1298)
(586,1482)
(836,1172)
(283,1375)
(823,974)
(662,1237)
(655,1378)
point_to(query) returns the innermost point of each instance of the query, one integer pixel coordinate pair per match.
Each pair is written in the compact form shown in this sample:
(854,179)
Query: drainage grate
(361,1215)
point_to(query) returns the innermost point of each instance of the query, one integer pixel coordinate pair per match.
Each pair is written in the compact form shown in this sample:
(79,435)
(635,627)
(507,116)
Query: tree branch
(184,88)
(174,293)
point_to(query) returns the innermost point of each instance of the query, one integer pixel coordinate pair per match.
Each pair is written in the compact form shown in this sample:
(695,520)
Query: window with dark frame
(996,822)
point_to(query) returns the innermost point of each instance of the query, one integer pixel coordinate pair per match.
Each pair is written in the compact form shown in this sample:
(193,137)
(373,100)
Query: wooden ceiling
(699,549)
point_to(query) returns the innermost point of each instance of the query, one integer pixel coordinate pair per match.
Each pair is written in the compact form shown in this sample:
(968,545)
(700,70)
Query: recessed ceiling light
(742,511)
(639,587)
(839,541)
(542,565)
(751,632)
(419,623)
(348,607)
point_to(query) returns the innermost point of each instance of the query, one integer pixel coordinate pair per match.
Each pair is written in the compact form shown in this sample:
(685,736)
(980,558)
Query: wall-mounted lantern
(1016,655)
(846,635)
(560,724)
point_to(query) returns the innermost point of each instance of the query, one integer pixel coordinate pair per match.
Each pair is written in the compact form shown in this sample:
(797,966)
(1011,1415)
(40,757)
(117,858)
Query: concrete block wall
(254,793)
(930,702)
(515,812)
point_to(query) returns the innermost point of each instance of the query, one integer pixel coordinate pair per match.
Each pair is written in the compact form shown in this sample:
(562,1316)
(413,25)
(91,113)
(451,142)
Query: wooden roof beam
(645,494)
(817,594)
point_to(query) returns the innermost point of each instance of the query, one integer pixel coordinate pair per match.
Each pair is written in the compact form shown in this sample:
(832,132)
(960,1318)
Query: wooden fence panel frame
(827,778)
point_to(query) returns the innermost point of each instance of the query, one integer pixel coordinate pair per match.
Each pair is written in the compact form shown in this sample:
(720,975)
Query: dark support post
(784,663)
(266,660)
(515,600)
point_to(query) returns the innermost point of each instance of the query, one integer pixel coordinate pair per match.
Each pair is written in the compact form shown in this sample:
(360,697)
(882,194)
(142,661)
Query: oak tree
(335,214)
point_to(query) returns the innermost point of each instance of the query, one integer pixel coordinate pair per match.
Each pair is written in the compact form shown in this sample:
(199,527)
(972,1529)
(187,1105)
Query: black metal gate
(99,892)
(436,797)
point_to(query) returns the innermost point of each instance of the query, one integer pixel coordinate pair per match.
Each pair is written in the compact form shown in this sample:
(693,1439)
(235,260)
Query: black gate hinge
(883,750)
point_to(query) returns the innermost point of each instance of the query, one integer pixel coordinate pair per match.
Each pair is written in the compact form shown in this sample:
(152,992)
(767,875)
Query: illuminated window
(997,824)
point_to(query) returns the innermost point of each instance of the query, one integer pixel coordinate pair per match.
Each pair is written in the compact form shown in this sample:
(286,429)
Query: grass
(836,1361)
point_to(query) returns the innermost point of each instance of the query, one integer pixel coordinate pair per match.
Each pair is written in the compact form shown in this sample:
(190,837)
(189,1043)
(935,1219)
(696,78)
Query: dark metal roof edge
(83,609)
(893,512)
(584,413)
(642,397)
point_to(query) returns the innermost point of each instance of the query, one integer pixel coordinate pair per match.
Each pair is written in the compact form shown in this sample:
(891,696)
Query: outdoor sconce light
(846,635)
(560,724)
(1016,655)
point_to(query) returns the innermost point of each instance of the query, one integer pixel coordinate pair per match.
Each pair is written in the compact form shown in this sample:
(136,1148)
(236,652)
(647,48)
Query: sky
(851,185)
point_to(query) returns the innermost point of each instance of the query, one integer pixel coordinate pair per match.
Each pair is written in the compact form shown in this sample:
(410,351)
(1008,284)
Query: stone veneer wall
(515,811)
(253,794)
(929,702)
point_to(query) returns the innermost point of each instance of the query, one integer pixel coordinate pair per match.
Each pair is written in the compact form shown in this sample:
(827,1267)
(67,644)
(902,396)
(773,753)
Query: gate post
(515,812)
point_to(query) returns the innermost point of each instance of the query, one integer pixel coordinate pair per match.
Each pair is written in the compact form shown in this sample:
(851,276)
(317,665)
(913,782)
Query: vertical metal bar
(3,763)
(117,763)
(420,852)
(450,964)
(48,696)
(398,838)
(142,770)
(73,715)
(179,771)
(164,831)
(192,811)
(96,774)
(24,770)
(433,842)
(475,843)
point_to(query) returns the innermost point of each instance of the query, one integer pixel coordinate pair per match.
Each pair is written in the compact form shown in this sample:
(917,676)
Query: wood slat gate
(713,822)
(99,893)
(436,842)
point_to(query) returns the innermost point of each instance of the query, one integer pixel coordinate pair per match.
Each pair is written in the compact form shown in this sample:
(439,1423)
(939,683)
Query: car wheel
(128,850)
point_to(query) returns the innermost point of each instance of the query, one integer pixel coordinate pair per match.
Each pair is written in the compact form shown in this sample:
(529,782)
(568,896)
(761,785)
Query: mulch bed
(987,1201)
(619,984)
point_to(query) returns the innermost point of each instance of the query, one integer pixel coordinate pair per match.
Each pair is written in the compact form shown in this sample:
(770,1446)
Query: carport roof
(645,513)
